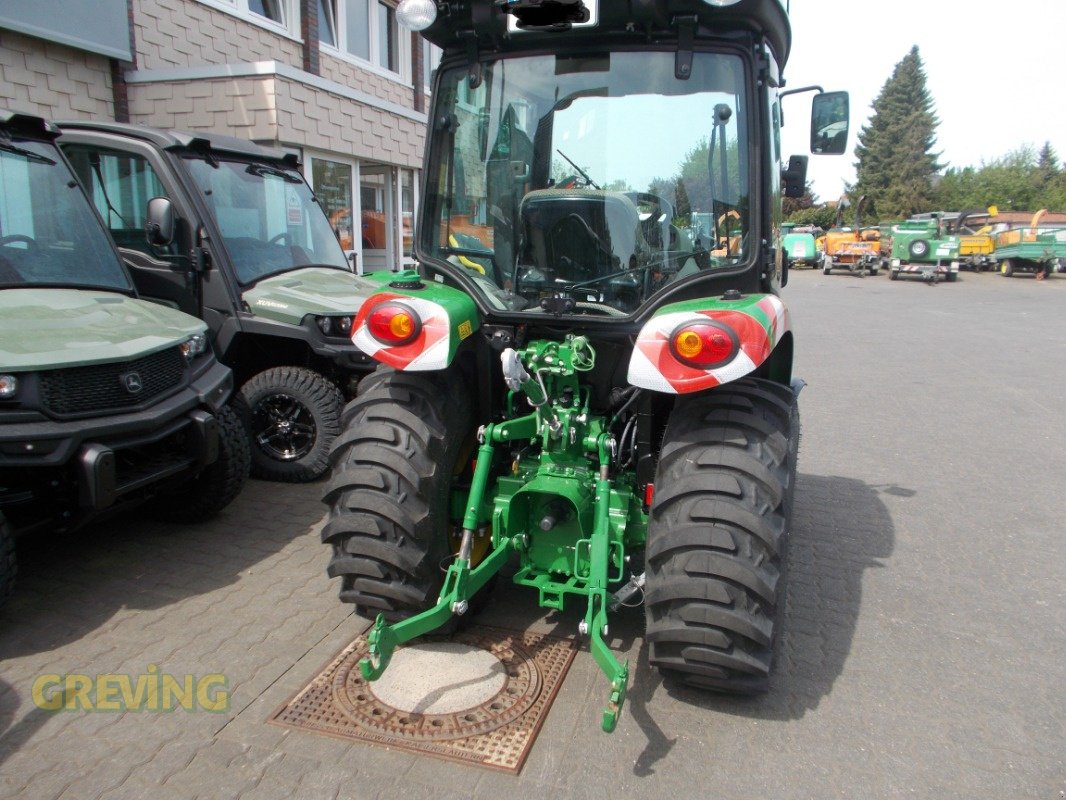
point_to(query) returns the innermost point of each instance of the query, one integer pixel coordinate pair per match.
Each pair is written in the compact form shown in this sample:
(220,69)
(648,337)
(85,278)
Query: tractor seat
(581,234)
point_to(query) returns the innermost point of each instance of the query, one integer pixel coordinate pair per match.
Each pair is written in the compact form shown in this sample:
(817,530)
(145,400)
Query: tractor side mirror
(829,123)
(794,177)
(159,222)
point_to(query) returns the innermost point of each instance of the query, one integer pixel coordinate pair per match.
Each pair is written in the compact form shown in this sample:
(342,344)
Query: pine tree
(896,165)
(1047,165)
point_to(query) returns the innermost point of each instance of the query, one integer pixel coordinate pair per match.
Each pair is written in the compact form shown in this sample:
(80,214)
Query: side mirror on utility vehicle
(159,222)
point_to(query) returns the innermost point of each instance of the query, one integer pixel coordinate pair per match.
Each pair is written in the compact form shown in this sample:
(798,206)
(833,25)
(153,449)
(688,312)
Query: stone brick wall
(327,122)
(53,80)
(184,33)
(241,107)
(348,74)
(276,110)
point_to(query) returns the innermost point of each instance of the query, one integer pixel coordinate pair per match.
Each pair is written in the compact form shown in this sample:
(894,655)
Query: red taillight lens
(394,324)
(703,344)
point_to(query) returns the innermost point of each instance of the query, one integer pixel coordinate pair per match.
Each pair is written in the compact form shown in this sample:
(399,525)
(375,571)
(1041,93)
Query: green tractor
(573,384)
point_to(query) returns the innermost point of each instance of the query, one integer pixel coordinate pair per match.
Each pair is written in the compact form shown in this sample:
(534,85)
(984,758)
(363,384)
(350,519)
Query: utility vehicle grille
(106,387)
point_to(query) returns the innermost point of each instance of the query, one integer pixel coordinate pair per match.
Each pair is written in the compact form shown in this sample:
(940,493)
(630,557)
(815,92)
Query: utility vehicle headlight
(394,324)
(194,346)
(721,3)
(335,326)
(416,15)
(9,384)
(703,344)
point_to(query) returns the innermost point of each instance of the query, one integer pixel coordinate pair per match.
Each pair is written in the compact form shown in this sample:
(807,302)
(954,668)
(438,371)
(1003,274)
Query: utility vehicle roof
(185,140)
(28,124)
(632,21)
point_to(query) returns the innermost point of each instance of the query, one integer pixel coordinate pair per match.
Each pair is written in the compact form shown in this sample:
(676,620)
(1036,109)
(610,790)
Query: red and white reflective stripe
(429,351)
(653,365)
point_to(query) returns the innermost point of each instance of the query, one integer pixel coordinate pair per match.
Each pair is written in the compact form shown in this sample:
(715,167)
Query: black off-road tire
(8,564)
(310,404)
(893,275)
(393,466)
(201,498)
(1007,270)
(717,535)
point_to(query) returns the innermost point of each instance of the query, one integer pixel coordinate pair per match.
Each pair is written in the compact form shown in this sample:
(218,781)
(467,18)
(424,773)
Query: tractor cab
(601,168)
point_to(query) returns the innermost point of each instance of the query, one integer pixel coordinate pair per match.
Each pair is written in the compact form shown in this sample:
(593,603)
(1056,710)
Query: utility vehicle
(105,398)
(236,238)
(573,383)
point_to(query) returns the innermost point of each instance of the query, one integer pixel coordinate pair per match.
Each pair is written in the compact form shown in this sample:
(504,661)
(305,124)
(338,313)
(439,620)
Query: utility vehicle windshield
(594,180)
(269,220)
(49,235)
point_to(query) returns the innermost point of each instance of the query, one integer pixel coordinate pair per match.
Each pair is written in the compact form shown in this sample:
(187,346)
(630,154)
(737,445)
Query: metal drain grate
(497,732)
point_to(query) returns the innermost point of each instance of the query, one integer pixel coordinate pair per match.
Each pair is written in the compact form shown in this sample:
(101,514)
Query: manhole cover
(479,698)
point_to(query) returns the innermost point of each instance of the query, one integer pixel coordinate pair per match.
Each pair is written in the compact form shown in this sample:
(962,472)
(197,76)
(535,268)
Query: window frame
(290,27)
(338,9)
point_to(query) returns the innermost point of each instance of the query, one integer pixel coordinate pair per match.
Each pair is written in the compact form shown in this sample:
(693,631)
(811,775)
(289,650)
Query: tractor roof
(481,25)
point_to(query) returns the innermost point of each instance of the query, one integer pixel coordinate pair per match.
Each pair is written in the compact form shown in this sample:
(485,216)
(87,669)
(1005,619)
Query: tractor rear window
(597,179)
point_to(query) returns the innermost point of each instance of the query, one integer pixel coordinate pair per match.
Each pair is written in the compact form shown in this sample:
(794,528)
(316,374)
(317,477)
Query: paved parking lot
(924,649)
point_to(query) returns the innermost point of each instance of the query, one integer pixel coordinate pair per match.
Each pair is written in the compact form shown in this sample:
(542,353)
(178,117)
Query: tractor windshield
(270,221)
(584,184)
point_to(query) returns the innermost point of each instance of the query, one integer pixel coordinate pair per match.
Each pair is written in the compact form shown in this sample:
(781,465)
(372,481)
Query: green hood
(312,290)
(49,328)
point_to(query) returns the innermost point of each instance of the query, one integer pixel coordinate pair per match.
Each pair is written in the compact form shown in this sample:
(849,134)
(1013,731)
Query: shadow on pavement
(840,529)
(71,584)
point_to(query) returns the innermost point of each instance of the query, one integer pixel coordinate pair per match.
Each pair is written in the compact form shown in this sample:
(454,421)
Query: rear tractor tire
(717,534)
(402,441)
(294,416)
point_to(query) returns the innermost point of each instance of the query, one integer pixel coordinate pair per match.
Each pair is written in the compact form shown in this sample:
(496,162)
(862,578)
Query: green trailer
(1036,250)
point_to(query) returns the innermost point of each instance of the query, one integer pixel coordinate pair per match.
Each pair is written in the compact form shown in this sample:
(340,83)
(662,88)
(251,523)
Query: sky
(996,73)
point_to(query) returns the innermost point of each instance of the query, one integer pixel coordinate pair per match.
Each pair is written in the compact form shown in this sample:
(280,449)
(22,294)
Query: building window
(327,23)
(366,30)
(274,10)
(333,189)
(277,15)
(431,55)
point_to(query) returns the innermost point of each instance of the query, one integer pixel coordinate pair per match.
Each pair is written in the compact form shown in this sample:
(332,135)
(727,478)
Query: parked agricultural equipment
(922,248)
(1035,249)
(855,249)
(799,246)
(976,246)
(601,398)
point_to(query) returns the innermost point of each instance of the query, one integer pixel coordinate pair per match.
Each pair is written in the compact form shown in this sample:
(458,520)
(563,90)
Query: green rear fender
(445,317)
(758,324)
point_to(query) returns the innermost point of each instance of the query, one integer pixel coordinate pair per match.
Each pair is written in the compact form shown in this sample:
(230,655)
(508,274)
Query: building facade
(336,81)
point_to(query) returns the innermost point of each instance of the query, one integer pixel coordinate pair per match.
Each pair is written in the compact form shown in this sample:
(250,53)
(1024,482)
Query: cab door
(120,178)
